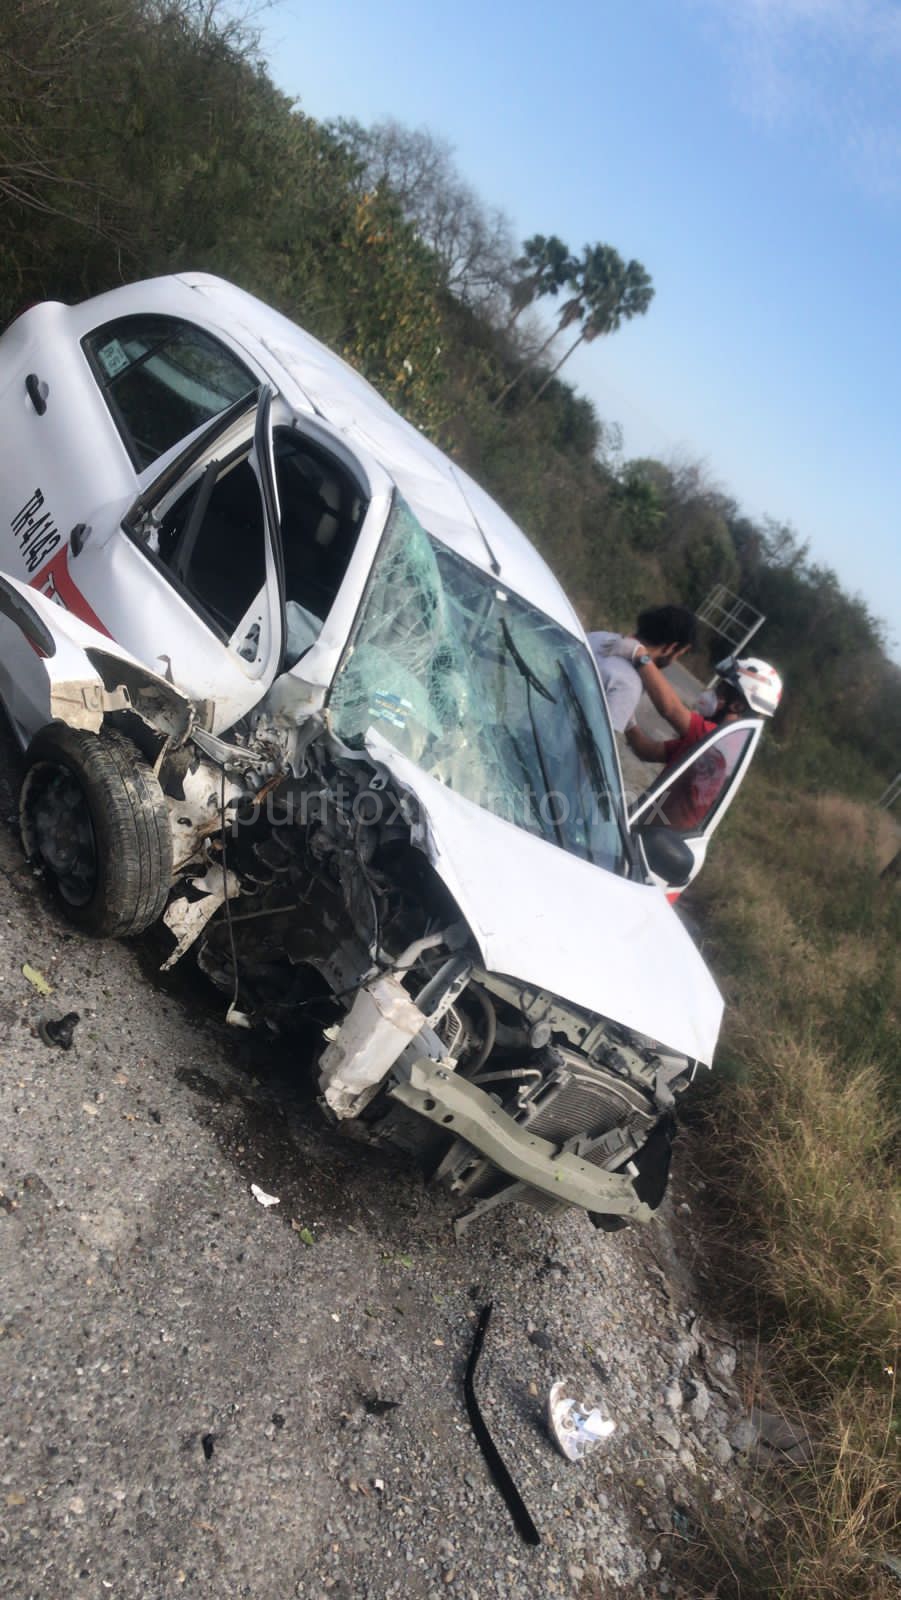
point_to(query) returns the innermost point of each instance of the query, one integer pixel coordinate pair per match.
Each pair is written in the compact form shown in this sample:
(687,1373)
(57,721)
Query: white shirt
(622,683)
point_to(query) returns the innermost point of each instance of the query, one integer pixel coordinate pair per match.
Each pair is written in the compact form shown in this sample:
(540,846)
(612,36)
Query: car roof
(447,502)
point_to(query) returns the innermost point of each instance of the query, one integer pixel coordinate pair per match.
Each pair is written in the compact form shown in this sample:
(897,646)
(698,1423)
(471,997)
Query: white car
(290,680)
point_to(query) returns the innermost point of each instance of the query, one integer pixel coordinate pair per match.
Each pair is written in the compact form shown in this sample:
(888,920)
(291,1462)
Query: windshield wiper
(529,792)
(524,667)
(590,753)
(533,682)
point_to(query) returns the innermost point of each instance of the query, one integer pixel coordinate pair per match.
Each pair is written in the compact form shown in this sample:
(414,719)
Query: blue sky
(749,153)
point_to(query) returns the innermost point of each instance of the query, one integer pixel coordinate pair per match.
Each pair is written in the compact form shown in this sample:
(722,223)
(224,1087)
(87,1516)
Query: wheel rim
(59,831)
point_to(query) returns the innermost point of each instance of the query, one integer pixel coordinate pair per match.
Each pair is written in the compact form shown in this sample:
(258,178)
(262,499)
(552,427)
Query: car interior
(212,539)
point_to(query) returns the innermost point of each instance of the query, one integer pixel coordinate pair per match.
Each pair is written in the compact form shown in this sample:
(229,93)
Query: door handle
(37,392)
(79,536)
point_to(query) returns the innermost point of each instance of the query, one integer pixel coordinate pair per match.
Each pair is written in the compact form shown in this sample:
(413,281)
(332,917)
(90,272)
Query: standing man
(662,635)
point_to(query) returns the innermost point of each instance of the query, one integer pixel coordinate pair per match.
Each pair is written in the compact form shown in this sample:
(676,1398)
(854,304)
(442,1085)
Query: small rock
(684,1209)
(672,1397)
(721,1450)
(654,1558)
(700,1403)
(687,1460)
(743,1436)
(542,1340)
(780,1433)
(666,1429)
(76,1505)
(721,1359)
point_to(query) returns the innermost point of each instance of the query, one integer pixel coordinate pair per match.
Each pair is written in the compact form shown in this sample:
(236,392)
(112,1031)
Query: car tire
(94,817)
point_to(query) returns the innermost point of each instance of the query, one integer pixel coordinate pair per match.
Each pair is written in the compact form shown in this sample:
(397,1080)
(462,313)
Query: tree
(471,242)
(546,266)
(640,504)
(609,291)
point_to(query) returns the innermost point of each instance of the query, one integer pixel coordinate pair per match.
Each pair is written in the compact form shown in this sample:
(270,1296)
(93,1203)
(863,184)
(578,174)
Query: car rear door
(62,464)
(692,797)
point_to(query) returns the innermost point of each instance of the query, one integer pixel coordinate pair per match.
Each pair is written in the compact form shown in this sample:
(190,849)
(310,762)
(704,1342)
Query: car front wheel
(94,817)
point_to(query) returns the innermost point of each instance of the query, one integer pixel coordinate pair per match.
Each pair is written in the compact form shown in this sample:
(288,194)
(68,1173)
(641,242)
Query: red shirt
(698,729)
(694,795)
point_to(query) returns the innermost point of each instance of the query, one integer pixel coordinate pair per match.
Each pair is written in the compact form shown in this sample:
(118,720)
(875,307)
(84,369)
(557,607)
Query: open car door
(198,570)
(674,819)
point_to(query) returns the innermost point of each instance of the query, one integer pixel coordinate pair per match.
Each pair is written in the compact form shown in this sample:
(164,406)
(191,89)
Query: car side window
(213,542)
(691,801)
(322,512)
(162,378)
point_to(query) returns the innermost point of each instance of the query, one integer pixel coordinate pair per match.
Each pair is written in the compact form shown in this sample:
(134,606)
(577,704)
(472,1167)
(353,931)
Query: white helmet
(758,682)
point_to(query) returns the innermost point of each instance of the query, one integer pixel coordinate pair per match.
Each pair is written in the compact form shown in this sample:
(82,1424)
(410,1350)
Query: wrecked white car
(288,679)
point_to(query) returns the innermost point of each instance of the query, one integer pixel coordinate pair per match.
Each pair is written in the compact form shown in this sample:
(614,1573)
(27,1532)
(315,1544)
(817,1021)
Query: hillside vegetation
(799,1143)
(139,137)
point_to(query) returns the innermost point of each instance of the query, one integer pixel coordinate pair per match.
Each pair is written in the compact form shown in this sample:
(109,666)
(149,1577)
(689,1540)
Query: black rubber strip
(515,1503)
(16,607)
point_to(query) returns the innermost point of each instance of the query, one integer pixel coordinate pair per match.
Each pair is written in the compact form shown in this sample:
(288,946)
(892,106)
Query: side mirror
(667,854)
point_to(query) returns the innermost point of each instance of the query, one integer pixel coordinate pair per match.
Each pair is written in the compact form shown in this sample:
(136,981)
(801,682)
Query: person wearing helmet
(743,688)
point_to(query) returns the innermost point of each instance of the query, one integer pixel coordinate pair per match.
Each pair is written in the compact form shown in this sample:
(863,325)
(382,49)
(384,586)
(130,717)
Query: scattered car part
(36,979)
(574,1427)
(59,1031)
(496,1466)
(374,1406)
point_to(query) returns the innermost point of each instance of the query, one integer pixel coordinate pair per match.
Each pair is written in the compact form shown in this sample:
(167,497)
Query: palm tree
(609,291)
(545,267)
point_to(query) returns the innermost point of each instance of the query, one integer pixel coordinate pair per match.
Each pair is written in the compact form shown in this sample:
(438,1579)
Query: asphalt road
(201,1399)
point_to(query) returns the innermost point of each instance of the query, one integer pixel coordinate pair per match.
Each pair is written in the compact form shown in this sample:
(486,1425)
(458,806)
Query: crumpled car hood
(610,945)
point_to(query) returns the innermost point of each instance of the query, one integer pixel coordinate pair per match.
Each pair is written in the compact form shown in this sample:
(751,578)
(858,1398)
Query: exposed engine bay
(311,897)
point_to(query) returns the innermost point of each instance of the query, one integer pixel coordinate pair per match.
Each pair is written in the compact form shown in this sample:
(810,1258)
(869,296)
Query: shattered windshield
(483,692)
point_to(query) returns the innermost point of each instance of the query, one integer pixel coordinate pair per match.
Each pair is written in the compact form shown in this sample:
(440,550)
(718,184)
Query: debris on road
(207,1442)
(264,1198)
(496,1466)
(374,1406)
(573,1427)
(36,979)
(59,1031)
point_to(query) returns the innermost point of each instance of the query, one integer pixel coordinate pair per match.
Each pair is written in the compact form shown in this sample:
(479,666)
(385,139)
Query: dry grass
(824,1533)
(800,1144)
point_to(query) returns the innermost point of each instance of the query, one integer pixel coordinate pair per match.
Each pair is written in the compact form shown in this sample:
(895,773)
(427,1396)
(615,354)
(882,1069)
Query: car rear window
(162,378)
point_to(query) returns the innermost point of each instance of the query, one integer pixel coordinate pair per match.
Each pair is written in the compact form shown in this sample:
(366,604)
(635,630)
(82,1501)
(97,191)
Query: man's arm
(660,693)
(663,698)
(646,749)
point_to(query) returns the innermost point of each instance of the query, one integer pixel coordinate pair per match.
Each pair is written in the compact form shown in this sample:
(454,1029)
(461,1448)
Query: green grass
(798,1137)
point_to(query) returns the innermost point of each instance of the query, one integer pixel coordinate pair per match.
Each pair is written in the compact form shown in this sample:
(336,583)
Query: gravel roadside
(197,1387)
